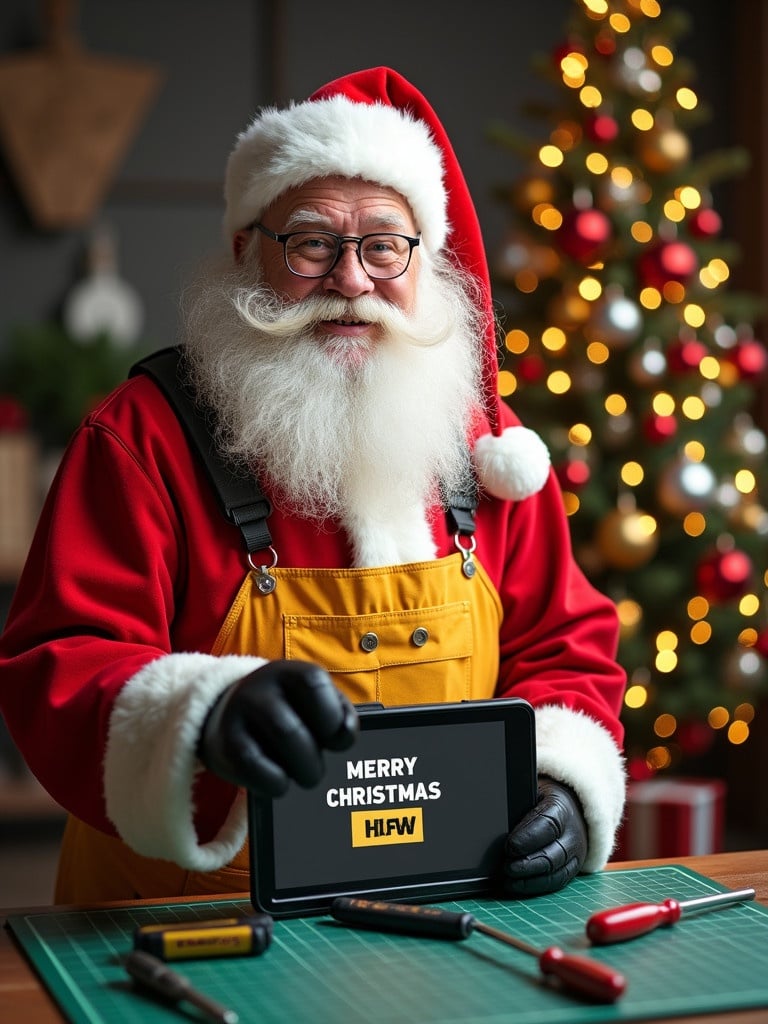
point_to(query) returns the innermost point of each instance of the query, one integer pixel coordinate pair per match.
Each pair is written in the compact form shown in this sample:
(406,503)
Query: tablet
(418,809)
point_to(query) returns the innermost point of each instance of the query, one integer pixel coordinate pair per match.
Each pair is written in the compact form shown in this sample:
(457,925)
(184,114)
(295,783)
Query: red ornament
(750,357)
(639,769)
(531,369)
(761,646)
(573,474)
(584,234)
(659,429)
(605,43)
(13,415)
(685,356)
(670,261)
(724,575)
(695,738)
(601,127)
(705,223)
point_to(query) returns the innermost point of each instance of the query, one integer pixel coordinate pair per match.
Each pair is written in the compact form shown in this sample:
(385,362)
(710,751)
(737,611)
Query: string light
(658,758)
(571,503)
(749,605)
(701,633)
(744,712)
(662,55)
(551,156)
(591,97)
(642,119)
(650,298)
(632,474)
(590,288)
(580,434)
(507,383)
(718,717)
(694,524)
(641,231)
(615,405)
(709,368)
(689,196)
(687,98)
(553,339)
(559,382)
(516,341)
(694,315)
(738,733)
(665,726)
(597,352)
(636,696)
(597,163)
(693,408)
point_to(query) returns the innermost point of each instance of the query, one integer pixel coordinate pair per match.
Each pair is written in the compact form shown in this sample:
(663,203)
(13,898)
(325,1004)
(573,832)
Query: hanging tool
(618,924)
(150,973)
(577,974)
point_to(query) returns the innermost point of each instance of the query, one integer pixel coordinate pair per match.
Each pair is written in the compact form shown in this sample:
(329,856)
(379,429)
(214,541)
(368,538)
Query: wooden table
(24,999)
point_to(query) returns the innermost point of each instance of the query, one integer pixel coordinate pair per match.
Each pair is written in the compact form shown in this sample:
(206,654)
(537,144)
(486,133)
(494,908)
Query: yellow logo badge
(382,828)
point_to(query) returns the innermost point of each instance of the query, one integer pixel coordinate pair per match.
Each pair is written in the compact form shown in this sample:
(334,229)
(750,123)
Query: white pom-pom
(513,466)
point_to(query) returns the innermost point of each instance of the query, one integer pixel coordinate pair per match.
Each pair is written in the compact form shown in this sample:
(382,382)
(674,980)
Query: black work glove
(272,726)
(548,846)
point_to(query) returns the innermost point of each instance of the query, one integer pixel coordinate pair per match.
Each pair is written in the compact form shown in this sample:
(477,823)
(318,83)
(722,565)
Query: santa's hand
(272,726)
(547,847)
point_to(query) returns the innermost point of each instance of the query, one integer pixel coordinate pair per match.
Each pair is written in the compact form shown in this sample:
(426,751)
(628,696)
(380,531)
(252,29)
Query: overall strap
(241,498)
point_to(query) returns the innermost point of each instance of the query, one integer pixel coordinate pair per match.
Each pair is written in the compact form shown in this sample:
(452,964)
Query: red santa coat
(130,576)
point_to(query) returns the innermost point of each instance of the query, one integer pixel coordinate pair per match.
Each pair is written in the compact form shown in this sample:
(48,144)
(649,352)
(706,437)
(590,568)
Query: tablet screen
(422,802)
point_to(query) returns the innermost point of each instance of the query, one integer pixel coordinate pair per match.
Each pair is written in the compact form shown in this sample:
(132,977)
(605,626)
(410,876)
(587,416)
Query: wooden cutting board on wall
(67,118)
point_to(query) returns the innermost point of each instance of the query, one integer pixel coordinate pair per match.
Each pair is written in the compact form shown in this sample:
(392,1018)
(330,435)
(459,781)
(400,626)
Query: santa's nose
(348,277)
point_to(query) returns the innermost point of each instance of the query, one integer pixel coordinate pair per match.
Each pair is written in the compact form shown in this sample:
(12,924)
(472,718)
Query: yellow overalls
(413,634)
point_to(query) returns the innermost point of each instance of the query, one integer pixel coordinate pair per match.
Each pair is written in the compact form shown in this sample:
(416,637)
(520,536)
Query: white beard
(365,440)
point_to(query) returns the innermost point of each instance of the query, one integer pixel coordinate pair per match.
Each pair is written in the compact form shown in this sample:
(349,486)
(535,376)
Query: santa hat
(376,126)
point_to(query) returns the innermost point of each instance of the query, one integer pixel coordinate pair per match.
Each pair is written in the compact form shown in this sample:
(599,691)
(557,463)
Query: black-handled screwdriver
(151,973)
(576,973)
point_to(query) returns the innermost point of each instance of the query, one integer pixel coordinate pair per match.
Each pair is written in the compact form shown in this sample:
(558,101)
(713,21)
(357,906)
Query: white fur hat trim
(284,149)
(513,466)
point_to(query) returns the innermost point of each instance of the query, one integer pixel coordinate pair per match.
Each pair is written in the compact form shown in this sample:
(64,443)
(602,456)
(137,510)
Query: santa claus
(344,354)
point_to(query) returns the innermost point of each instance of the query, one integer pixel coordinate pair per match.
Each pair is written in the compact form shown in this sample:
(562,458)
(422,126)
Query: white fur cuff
(575,749)
(150,764)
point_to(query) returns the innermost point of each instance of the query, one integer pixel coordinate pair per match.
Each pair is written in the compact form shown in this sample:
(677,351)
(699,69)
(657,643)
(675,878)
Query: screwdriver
(619,924)
(150,972)
(576,973)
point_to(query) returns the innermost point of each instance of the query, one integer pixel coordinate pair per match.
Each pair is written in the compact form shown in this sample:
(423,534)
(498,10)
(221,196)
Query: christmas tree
(633,358)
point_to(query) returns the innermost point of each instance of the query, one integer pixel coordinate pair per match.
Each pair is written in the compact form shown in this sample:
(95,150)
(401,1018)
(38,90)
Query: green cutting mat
(317,970)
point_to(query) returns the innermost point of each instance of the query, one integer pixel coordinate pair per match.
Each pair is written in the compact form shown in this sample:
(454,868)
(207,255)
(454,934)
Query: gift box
(672,818)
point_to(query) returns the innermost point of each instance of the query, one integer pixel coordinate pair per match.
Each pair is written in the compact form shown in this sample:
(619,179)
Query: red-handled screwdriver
(619,924)
(575,973)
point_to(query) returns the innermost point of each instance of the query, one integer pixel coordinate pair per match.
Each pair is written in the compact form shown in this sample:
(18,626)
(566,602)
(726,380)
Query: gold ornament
(627,538)
(532,190)
(664,149)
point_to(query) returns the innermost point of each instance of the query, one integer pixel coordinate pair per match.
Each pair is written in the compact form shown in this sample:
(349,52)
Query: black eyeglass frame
(341,240)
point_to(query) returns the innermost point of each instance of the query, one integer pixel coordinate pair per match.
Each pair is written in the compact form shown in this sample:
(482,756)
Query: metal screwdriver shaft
(150,972)
(619,924)
(577,974)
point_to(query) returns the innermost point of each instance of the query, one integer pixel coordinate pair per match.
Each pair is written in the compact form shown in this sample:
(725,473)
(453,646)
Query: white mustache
(279,318)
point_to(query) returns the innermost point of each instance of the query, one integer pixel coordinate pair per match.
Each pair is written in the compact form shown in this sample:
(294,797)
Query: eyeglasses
(383,256)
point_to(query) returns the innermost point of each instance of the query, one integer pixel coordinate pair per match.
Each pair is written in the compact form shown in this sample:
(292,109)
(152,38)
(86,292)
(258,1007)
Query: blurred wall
(221,59)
